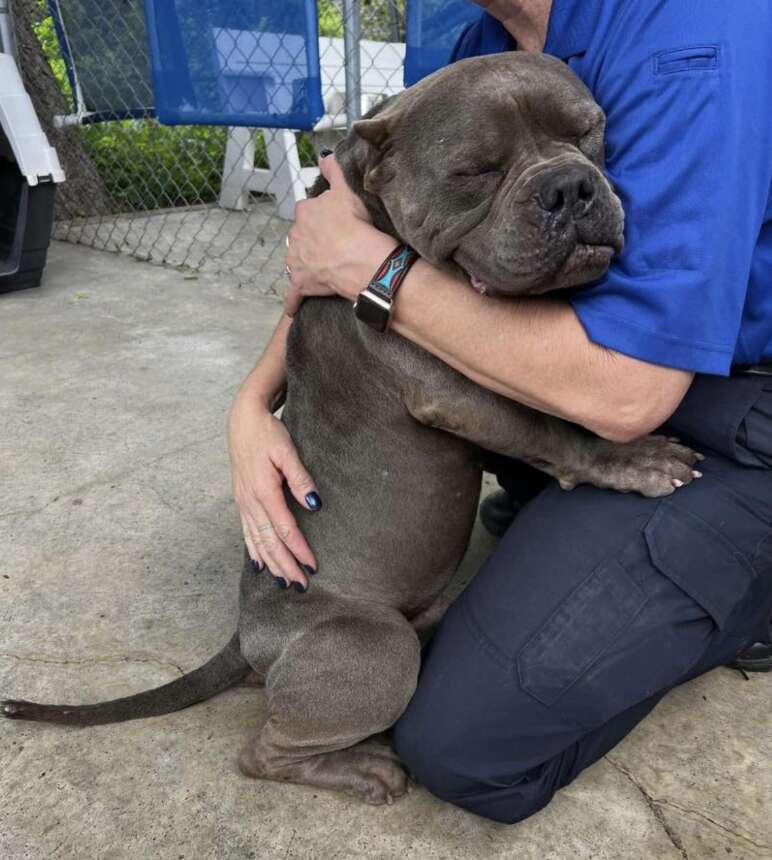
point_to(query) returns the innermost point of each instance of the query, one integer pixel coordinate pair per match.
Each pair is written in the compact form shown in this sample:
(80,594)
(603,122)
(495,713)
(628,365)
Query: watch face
(371,312)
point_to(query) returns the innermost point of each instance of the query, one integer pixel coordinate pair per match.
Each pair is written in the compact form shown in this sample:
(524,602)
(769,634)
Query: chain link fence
(207,198)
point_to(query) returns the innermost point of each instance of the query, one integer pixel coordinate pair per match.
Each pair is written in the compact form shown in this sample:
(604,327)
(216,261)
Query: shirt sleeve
(688,152)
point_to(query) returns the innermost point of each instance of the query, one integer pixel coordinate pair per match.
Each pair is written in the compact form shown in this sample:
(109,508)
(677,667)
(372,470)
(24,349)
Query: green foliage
(145,165)
(379,19)
(44,30)
(330,20)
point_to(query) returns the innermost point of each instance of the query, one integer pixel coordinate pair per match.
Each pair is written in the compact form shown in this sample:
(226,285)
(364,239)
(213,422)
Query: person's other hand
(263,457)
(332,247)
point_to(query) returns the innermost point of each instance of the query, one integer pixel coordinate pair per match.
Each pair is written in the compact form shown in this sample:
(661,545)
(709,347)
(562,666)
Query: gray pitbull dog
(492,168)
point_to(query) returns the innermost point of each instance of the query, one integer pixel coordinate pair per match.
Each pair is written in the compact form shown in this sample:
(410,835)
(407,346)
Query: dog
(491,169)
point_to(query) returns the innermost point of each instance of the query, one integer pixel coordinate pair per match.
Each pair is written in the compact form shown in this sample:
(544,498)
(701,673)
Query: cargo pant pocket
(702,555)
(643,621)
(579,632)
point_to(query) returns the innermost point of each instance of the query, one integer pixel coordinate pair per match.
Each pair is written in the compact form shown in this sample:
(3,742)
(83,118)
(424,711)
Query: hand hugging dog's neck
(356,159)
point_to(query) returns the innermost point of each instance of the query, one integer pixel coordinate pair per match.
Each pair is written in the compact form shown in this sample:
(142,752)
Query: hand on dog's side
(263,457)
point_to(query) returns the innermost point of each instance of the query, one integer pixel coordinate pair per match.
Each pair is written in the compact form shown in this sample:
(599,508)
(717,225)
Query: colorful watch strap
(392,272)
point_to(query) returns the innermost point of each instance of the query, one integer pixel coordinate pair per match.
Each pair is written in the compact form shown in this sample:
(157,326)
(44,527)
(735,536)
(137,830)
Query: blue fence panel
(105,56)
(235,62)
(433,27)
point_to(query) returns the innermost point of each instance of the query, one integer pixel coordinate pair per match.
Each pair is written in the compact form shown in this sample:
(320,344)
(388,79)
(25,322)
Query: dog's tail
(222,671)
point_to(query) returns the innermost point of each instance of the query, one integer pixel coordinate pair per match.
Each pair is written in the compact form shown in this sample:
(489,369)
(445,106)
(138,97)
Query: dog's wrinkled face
(495,164)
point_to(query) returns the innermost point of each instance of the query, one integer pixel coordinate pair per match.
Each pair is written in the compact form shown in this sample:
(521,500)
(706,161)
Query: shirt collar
(571,26)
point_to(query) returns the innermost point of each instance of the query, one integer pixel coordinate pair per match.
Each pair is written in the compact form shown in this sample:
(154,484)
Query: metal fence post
(351,36)
(395,21)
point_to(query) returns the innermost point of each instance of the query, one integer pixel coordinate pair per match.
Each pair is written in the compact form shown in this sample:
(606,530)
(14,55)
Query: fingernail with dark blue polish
(256,565)
(325,152)
(308,569)
(281,583)
(313,501)
(299,587)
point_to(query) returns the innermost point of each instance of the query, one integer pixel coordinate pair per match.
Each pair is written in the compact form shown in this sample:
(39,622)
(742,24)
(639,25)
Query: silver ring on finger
(265,527)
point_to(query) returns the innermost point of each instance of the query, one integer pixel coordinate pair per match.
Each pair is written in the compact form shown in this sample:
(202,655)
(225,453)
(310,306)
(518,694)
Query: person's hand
(332,248)
(263,457)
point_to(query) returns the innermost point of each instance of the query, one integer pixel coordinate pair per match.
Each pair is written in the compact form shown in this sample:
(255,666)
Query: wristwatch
(373,306)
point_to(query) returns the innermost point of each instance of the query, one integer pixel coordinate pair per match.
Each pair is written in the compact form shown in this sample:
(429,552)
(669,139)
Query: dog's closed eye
(478,172)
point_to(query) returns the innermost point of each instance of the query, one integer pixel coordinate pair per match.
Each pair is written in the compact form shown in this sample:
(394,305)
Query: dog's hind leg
(334,687)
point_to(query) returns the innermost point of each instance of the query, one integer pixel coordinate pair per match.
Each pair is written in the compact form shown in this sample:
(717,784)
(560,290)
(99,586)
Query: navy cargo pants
(593,606)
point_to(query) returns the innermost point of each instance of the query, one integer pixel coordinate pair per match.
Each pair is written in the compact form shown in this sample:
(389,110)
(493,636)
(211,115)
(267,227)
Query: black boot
(756,657)
(498,511)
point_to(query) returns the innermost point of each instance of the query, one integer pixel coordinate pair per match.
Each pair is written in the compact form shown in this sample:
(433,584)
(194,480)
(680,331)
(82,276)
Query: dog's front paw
(652,466)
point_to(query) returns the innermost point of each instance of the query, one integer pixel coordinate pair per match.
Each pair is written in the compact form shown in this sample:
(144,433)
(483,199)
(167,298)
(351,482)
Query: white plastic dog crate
(29,171)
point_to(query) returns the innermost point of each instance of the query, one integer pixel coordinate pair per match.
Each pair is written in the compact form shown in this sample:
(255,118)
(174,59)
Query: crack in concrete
(92,661)
(654,804)
(159,495)
(109,478)
(289,844)
(718,824)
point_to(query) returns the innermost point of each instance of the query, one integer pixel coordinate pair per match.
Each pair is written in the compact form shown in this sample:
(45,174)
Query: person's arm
(267,379)
(263,457)
(536,351)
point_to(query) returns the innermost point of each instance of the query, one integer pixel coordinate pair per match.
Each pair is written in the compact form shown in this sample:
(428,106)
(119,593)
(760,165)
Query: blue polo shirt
(686,86)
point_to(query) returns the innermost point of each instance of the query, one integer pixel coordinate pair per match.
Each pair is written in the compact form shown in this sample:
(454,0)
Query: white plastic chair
(284,179)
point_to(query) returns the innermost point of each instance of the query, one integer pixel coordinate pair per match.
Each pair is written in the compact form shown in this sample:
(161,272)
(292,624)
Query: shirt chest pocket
(698,58)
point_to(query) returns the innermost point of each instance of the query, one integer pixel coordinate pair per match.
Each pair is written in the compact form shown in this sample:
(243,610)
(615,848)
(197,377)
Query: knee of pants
(448,767)
(427,753)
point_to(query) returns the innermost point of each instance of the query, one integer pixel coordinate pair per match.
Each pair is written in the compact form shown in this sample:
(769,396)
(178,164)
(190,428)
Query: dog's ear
(375,131)
(364,157)
(380,122)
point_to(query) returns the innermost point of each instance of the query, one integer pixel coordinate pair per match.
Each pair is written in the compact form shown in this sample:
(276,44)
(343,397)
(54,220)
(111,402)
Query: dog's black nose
(568,190)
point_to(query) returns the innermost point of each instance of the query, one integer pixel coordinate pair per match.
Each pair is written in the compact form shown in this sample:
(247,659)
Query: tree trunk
(83,193)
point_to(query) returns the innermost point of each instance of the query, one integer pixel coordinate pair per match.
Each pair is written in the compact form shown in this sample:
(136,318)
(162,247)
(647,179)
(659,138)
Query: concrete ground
(119,558)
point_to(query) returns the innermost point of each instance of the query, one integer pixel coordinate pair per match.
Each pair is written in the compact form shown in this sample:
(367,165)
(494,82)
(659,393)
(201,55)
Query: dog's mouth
(586,258)
(480,287)
(585,263)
